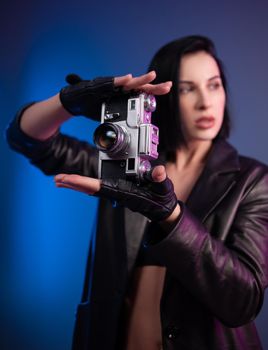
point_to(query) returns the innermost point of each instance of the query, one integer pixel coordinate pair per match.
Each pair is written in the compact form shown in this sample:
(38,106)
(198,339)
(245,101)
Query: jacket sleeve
(58,154)
(228,277)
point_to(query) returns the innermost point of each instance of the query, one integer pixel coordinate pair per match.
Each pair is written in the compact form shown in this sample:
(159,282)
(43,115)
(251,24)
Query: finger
(137,82)
(77,180)
(121,81)
(64,185)
(159,173)
(157,89)
(75,188)
(81,183)
(59,177)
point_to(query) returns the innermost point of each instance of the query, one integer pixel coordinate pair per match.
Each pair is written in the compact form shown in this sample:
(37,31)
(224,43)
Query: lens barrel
(111,138)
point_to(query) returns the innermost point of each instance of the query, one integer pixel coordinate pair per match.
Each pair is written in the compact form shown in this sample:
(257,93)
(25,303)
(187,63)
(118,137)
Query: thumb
(161,184)
(159,173)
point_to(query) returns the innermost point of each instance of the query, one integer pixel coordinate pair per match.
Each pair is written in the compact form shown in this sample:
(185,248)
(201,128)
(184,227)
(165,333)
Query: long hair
(166,63)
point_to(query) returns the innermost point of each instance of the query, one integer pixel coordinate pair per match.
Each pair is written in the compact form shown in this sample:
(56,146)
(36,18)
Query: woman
(199,278)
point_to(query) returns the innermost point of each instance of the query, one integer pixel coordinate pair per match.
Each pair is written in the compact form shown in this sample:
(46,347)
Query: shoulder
(253,178)
(252,166)
(246,171)
(228,156)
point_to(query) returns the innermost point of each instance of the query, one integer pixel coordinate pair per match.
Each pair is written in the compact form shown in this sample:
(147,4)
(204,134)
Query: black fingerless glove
(85,97)
(155,200)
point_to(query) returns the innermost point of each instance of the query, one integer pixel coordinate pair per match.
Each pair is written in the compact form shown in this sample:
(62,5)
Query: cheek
(222,101)
(220,107)
(182,107)
(220,111)
(185,105)
(185,111)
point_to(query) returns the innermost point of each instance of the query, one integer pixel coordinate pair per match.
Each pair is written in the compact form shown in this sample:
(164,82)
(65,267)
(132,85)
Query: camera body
(126,139)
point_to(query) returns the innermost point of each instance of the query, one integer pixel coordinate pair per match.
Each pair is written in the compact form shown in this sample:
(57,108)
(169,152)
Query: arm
(43,119)
(229,277)
(34,131)
(57,152)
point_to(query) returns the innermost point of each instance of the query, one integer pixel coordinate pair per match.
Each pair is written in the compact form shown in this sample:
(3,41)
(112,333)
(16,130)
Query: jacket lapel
(216,180)
(135,224)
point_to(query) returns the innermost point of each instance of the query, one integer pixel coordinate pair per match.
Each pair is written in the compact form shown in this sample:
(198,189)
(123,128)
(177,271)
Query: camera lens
(108,139)
(111,138)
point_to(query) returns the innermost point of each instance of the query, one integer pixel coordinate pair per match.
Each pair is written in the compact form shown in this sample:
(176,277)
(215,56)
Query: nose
(203,100)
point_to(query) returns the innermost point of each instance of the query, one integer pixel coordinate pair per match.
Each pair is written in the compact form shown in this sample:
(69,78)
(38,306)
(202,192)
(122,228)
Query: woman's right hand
(84,97)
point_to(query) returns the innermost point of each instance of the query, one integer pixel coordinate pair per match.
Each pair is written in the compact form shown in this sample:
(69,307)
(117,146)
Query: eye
(215,85)
(183,90)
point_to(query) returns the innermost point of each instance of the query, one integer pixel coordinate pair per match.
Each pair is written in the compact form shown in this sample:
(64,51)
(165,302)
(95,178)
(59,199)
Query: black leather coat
(216,255)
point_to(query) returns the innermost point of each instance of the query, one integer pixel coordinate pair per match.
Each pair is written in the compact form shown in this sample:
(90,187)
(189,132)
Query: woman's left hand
(154,197)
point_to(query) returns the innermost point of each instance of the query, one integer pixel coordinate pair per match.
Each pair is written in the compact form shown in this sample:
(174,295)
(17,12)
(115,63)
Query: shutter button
(172,332)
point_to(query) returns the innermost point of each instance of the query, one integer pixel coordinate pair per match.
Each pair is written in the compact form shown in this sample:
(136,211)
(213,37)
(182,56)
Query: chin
(213,132)
(207,135)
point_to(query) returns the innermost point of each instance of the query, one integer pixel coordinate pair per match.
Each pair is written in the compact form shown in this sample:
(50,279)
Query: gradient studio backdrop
(45,231)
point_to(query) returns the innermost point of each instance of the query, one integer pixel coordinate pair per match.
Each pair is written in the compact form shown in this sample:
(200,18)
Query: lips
(205,122)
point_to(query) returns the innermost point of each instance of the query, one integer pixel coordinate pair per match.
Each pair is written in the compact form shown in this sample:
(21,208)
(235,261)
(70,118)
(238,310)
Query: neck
(192,154)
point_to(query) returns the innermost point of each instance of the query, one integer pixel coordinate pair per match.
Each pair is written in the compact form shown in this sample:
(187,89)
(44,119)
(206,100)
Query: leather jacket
(216,255)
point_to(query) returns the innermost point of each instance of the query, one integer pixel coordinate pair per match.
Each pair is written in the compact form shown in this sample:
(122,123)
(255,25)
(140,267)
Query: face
(201,97)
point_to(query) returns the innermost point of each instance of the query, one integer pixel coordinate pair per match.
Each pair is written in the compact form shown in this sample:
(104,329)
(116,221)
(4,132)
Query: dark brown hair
(166,63)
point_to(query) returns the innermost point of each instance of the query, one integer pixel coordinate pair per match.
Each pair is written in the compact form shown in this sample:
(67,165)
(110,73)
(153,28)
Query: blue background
(45,231)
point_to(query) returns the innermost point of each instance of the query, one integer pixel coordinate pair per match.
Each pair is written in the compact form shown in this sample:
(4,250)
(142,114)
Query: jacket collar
(223,158)
(216,180)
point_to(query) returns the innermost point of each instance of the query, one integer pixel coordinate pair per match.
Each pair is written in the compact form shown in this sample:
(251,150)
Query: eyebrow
(191,82)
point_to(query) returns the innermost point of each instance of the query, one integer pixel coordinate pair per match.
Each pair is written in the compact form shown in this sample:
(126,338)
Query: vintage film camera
(126,139)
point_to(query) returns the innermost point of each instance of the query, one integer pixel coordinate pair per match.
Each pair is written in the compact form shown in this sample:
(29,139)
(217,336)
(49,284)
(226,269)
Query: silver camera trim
(142,135)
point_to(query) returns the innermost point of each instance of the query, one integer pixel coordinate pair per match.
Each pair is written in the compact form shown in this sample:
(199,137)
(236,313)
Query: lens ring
(111,138)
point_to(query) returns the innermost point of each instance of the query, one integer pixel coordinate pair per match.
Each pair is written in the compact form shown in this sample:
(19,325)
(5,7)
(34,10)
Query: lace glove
(155,200)
(84,97)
